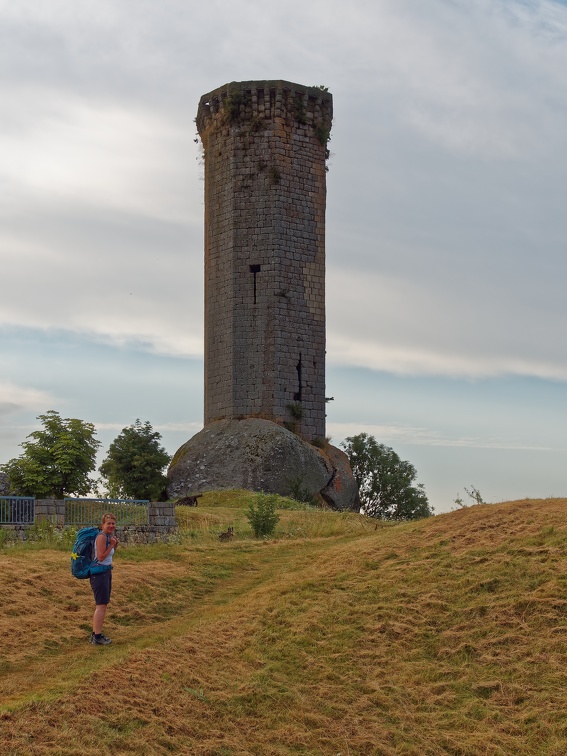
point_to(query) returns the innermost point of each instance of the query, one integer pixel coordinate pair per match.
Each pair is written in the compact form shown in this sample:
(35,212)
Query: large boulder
(341,492)
(258,455)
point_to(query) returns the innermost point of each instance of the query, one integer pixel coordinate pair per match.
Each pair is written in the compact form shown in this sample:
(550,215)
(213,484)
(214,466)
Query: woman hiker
(106,544)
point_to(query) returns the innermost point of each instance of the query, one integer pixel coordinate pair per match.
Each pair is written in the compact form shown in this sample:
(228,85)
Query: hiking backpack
(83,560)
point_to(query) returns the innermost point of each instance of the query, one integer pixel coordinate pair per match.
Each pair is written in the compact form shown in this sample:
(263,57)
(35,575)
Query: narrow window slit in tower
(297,395)
(255,269)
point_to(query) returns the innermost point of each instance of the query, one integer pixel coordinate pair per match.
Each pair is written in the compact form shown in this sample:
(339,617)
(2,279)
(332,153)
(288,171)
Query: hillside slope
(444,636)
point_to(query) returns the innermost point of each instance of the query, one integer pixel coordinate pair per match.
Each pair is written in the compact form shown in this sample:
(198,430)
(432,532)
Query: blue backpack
(83,560)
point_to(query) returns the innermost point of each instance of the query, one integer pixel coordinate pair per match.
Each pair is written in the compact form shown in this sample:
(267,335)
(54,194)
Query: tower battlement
(265,148)
(240,102)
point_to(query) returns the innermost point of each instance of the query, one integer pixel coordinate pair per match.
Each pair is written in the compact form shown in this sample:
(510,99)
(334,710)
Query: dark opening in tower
(297,395)
(255,269)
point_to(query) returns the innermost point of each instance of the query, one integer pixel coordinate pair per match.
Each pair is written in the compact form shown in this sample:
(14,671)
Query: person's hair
(108,516)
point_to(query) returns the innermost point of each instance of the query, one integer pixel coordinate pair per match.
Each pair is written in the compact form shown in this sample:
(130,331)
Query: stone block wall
(50,510)
(265,146)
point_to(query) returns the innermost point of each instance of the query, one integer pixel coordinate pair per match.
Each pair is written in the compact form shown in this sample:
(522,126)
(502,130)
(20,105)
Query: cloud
(101,153)
(478,79)
(122,278)
(445,224)
(392,434)
(431,326)
(189,428)
(14,399)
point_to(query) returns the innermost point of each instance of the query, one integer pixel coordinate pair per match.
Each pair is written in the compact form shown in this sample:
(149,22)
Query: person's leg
(101,585)
(98,618)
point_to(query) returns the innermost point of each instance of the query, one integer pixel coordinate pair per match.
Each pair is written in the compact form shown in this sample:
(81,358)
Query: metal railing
(17,510)
(90,511)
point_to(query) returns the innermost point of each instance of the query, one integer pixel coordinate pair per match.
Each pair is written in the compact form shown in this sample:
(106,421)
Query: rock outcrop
(260,455)
(4,484)
(341,492)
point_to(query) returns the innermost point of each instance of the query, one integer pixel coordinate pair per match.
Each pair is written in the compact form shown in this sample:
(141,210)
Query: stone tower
(265,147)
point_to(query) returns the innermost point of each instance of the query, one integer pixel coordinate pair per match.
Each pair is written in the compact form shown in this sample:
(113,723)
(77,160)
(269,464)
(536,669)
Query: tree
(385,482)
(57,462)
(134,464)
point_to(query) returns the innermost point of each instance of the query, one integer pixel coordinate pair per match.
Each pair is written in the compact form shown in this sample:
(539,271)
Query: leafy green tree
(135,462)
(57,461)
(385,482)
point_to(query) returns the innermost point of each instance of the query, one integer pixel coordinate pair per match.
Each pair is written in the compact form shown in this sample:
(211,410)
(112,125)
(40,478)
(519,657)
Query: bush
(261,514)
(299,492)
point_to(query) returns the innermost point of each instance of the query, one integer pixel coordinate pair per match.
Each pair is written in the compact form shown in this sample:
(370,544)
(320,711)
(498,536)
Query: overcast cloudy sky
(446,220)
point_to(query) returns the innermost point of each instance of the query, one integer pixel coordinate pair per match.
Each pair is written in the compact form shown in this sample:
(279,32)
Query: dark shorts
(102,585)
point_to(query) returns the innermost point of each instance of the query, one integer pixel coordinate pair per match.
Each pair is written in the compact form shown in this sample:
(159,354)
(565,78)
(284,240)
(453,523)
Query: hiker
(106,544)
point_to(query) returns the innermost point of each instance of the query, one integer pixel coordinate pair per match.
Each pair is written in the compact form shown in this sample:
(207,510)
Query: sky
(446,221)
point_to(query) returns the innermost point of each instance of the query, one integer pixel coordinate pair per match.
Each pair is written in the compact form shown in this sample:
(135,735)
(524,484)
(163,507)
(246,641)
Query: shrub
(261,514)
(299,492)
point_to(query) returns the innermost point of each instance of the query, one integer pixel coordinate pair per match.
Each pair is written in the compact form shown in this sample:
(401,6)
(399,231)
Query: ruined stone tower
(265,147)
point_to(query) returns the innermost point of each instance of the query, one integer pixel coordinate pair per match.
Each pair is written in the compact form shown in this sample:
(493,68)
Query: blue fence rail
(17,510)
(90,511)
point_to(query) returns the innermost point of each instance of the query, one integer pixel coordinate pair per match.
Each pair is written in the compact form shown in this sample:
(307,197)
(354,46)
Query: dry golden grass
(444,636)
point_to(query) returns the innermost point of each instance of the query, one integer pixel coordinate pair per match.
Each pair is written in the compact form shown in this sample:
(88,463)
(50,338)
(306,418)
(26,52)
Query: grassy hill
(339,636)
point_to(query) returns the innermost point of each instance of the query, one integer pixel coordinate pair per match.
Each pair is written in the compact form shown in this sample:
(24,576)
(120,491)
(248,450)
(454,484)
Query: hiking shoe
(102,641)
